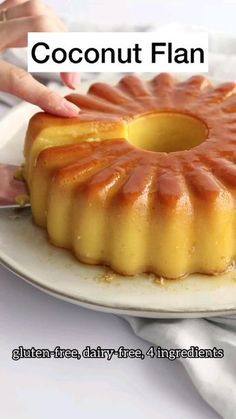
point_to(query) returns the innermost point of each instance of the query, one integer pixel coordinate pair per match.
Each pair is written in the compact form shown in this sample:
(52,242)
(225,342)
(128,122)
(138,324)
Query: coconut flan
(144,179)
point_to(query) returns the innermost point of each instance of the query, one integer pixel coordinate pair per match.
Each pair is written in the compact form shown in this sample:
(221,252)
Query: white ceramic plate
(24,250)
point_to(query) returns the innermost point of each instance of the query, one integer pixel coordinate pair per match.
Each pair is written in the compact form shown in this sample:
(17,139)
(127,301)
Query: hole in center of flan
(167,132)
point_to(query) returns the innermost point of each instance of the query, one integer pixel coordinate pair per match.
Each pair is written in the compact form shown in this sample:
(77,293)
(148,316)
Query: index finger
(18,82)
(10,3)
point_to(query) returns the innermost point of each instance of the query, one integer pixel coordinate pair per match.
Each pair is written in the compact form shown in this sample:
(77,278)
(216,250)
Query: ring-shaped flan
(144,179)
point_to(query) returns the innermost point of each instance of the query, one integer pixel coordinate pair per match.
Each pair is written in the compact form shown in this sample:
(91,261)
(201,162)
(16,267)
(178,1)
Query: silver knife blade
(13,191)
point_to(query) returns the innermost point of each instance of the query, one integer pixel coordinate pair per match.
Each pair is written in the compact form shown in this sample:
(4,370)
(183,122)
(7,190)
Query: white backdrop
(215,14)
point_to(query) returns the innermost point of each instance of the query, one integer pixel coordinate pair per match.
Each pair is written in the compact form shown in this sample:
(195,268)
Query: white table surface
(36,389)
(86,388)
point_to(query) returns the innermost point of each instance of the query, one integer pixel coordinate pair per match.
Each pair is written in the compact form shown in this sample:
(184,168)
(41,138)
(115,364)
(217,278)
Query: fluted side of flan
(132,209)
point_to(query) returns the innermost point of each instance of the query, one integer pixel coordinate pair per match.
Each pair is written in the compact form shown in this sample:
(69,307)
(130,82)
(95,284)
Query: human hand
(18,17)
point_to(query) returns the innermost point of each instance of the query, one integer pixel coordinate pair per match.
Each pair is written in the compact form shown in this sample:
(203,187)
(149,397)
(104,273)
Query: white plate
(24,250)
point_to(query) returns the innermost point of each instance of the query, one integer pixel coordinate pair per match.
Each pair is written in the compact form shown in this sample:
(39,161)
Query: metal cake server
(13,190)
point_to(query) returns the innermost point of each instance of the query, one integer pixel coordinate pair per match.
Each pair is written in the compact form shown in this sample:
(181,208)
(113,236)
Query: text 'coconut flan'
(144,179)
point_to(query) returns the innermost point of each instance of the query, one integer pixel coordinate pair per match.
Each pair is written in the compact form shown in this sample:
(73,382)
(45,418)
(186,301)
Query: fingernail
(73,80)
(69,108)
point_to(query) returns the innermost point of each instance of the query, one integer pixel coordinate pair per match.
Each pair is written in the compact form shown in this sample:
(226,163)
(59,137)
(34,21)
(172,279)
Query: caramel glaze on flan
(144,179)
